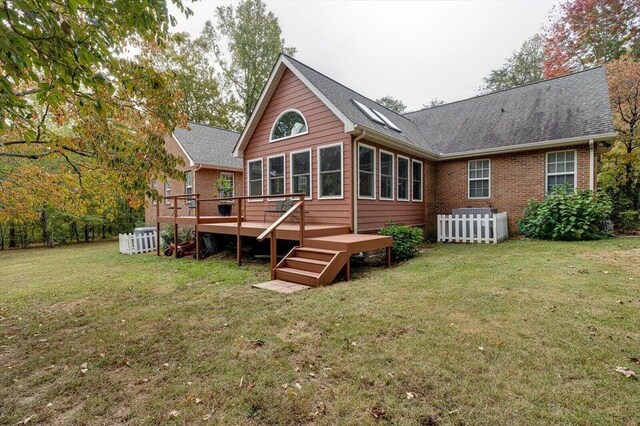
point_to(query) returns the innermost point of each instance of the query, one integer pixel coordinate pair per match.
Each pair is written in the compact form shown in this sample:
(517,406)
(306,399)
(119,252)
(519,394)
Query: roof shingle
(209,145)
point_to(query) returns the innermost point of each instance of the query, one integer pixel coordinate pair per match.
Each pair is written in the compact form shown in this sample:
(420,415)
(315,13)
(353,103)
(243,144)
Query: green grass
(523,332)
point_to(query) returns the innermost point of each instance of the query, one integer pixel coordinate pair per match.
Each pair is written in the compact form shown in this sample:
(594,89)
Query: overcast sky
(412,50)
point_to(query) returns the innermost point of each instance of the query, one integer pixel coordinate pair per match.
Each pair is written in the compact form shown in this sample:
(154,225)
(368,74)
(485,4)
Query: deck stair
(311,266)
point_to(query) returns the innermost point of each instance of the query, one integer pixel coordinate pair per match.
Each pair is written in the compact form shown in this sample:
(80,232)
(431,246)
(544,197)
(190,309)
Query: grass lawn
(523,332)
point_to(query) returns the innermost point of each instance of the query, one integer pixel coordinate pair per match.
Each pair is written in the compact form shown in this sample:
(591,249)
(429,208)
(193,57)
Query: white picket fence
(141,243)
(473,228)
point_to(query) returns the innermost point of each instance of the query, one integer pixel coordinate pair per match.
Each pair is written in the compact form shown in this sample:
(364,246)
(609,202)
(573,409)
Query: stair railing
(271,232)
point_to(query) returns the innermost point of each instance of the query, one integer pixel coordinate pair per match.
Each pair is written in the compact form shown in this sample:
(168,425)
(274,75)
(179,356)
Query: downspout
(592,164)
(354,181)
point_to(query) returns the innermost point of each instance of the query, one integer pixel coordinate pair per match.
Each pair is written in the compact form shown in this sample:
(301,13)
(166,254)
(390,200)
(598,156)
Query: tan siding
(324,128)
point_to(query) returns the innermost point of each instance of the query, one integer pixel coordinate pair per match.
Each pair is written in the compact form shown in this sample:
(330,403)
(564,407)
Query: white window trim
(258,198)
(375,169)
(284,175)
(393,179)
(167,201)
(409,177)
(318,183)
(469,179)
(233,181)
(291,154)
(546,169)
(273,126)
(413,198)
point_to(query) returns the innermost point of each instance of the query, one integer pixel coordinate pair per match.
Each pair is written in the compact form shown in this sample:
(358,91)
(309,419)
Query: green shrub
(406,239)
(566,214)
(629,220)
(166,234)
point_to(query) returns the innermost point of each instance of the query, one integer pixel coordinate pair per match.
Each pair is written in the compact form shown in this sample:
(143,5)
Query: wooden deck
(193,220)
(351,243)
(285,231)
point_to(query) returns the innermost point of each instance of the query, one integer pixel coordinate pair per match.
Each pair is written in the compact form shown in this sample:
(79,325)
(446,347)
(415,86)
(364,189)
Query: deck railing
(240,202)
(271,232)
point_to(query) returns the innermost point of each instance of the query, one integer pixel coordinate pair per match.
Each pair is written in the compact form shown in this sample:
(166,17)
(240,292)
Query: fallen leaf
(25,420)
(634,360)
(198,401)
(411,395)
(174,413)
(377,412)
(298,386)
(627,373)
(206,417)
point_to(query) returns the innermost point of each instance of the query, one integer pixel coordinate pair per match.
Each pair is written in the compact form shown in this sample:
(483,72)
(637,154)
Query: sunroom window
(276,175)
(403,178)
(366,172)
(416,194)
(301,172)
(561,169)
(386,175)
(288,124)
(330,171)
(188,188)
(255,177)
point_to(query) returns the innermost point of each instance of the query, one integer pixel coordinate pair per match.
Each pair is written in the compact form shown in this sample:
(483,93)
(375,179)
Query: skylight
(368,112)
(388,122)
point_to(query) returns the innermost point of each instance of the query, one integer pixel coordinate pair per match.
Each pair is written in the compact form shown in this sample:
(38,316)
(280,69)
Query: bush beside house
(406,240)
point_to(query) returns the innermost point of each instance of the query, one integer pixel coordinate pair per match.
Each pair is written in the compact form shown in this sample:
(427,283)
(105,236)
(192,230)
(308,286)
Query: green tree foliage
(523,67)
(392,103)
(188,61)
(406,239)
(246,43)
(433,103)
(566,215)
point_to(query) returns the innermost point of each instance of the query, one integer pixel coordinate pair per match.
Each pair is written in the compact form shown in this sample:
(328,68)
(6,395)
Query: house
(352,166)
(362,165)
(206,154)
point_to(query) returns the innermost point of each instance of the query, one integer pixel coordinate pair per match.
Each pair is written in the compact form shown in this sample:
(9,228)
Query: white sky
(412,50)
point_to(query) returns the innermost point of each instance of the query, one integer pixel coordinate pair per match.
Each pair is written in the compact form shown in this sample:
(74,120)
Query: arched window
(289,124)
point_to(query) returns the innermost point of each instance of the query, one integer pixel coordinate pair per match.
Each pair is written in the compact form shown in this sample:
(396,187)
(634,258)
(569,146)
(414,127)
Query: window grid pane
(366,166)
(561,169)
(479,178)
(301,173)
(276,175)
(403,178)
(417,181)
(386,176)
(330,166)
(255,178)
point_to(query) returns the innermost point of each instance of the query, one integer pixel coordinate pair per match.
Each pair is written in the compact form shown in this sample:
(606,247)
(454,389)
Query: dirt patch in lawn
(629,260)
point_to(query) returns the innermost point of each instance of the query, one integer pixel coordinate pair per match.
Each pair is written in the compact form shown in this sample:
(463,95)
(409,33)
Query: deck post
(387,256)
(175,227)
(302,220)
(195,230)
(158,227)
(238,236)
(274,247)
(347,269)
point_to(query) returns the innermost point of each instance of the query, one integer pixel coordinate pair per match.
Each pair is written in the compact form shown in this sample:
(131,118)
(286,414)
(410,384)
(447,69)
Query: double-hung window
(416,175)
(330,171)
(275,172)
(403,178)
(561,169)
(479,178)
(188,188)
(386,175)
(167,194)
(366,172)
(300,163)
(254,177)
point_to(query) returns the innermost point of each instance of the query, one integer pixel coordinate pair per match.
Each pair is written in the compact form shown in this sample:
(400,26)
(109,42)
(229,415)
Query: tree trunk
(46,237)
(86,233)
(12,235)
(104,237)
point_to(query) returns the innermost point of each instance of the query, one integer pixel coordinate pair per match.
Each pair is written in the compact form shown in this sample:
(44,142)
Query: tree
(246,43)
(188,62)
(586,33)
(433,103)
(620,174)
(392,103)
(523,67)
(81,123)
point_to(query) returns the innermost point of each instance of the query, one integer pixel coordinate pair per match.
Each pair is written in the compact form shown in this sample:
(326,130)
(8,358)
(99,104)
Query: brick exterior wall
(515,178)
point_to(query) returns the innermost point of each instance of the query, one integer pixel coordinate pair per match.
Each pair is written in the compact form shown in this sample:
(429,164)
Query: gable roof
(572,106)
(564,110)
(208,145)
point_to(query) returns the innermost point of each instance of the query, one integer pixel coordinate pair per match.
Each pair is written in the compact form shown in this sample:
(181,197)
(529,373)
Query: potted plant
(225,190)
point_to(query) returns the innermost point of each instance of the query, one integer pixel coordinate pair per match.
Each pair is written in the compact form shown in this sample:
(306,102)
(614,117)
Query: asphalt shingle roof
(341,96)
(574,105)
(209,145)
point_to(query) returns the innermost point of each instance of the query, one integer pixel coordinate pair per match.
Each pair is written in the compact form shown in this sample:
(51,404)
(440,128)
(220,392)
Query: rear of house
(361,165)
(205,152)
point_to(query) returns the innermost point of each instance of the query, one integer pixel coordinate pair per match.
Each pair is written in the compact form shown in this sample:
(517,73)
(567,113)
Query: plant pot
(224,209)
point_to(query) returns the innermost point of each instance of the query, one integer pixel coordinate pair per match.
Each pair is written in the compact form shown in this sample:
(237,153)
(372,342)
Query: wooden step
(306,264)
(316,254)
(297,276)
